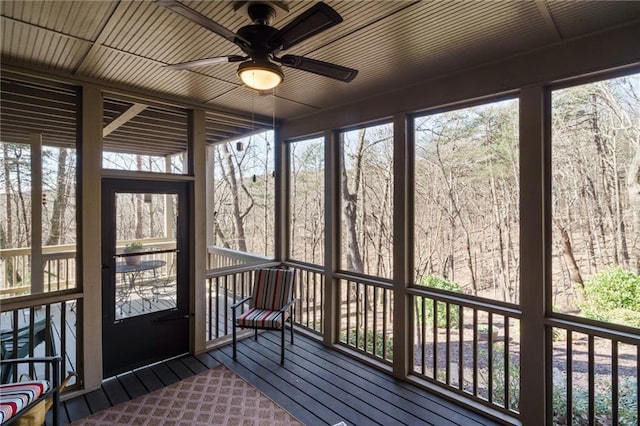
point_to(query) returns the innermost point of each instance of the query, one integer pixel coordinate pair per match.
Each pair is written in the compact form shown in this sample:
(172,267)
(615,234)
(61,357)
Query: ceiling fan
(262,43)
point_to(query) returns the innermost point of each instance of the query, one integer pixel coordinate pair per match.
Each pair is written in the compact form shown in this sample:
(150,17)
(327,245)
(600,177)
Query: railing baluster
(475,352)
(348,291)
(434,319)
(225,302)
(48,343)
(309,301)
(375,321)
(423,324)
(592,371)
(384,323)
(569,391)
(507,366)
(365,308)
(63,336)
(460,347)
(447,348)
(614,382)
(490,357)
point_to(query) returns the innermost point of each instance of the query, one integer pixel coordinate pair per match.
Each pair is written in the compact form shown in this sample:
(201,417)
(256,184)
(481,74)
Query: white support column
(90,244)
(331,236)
(37,265)
(209,190)
(198,261)
(534,237)
(402,249)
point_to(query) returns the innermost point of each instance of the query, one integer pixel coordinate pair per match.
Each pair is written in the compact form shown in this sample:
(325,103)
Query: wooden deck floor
(319,386)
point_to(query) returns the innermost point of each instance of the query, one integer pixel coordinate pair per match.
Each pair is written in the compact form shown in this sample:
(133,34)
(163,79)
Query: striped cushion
(15,396)
(262,318)
(272,288)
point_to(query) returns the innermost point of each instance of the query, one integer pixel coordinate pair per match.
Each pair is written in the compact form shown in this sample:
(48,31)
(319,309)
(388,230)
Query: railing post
(331,308)
(402,249)
(534,246)
(37,265)
(90,244)
(198,249)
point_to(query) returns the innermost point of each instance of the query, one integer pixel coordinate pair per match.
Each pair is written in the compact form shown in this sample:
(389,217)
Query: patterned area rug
(215,397)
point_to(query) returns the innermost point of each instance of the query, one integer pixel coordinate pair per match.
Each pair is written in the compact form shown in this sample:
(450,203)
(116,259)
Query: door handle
(167,318)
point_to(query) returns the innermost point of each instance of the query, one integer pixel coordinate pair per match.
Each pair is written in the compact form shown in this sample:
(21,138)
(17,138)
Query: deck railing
(468,347)
(366,316)
(224,288)
(37,329)
(228,285)
(220,257)
(309,294)
(593,374)
(59,266)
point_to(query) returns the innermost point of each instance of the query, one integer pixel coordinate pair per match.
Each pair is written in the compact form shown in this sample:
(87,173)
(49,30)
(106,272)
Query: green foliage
(499,378)
(613,295)
(134,246)
(627,404)
(454,313)
(355,339)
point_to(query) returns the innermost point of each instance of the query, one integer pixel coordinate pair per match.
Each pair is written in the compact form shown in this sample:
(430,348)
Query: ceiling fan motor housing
(260,37)
(261,13)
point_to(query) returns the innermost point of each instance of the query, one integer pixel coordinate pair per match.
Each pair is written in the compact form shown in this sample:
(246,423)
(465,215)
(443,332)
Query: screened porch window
(306,200)
(241,214)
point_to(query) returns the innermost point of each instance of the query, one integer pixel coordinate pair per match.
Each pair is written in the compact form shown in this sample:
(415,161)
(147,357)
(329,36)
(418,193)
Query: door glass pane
(145,266)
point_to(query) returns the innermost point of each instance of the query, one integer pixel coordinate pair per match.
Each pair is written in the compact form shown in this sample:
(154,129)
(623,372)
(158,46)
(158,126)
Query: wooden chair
(18,344)
(269,307)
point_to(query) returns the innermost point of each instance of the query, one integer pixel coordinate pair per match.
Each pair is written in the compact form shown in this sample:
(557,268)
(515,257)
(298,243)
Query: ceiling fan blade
(337,72)
(309,23)
(182,10)
(204,62)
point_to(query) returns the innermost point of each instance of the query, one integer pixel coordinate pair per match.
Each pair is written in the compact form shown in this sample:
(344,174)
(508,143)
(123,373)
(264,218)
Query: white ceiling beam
(548,20)
(134,110)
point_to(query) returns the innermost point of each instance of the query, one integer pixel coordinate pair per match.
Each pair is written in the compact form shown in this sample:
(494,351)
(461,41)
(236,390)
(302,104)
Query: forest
(467,190)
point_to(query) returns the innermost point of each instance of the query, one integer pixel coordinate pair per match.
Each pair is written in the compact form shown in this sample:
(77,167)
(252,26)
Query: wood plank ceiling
(394,44)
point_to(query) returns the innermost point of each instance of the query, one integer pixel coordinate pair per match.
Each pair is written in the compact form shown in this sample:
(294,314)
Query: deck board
(97,400)
(115,391)
(402,393)
(165,374)
(343,399)
(149,379)
(363,393)
(132,385)
(317,385)
(179,368)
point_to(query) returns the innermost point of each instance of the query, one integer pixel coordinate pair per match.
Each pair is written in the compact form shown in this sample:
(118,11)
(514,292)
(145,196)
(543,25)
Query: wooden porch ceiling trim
(134,110)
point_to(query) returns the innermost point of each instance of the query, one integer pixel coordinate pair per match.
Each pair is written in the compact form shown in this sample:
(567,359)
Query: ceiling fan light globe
(260,75)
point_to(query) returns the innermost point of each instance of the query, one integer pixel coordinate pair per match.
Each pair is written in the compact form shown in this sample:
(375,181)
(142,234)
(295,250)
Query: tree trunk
(633,189)
(567,254)
(235,190)
(350,202)
(8,192)
(59,202)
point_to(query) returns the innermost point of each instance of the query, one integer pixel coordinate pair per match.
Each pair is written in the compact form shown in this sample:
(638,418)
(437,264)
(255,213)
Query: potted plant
(134,247)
